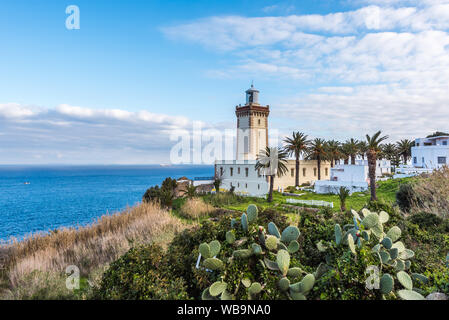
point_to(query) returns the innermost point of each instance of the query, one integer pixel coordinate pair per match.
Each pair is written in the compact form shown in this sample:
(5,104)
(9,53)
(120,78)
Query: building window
(415,160)
(238,170)
(327,171)
(314,172)
(423,160)
(259,122)
(245,145)
(246,185)
(221,171)
(304,172)
(246,172)
(441,160)
(293,172)
(444,143)
(258,186)
(232,171)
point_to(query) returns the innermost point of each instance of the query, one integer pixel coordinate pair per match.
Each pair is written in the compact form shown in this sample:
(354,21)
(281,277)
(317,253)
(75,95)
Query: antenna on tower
(252,83)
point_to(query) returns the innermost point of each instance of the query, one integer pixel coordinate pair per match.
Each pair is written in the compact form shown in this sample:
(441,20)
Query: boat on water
(27,183)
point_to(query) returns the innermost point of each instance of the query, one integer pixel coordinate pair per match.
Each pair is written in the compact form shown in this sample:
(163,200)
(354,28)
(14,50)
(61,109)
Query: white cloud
(70,134)
(14,110)
(385,65)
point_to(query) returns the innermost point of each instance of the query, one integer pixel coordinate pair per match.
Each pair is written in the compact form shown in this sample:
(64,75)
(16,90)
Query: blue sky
(113,91)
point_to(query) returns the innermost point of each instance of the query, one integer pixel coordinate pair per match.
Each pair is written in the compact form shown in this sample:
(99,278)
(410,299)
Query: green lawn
(386,192)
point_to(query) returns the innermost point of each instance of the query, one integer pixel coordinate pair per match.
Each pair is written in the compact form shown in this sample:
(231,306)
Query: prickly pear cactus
(370,230)
(271,251)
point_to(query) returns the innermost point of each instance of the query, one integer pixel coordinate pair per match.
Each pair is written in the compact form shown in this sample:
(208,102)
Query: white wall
(427,156)
(427,151)
(349,173)
(247,185)
(333,187)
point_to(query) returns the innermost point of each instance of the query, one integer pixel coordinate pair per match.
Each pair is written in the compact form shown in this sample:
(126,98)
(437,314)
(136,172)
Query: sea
(37,199)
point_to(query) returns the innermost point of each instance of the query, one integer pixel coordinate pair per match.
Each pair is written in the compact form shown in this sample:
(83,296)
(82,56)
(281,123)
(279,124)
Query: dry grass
(89,248)
(195,208)
(432,193)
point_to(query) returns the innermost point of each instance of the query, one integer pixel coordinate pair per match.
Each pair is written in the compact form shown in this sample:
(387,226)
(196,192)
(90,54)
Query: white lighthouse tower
(252,126)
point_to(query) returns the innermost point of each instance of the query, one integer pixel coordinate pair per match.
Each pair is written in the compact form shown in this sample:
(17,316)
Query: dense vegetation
(260,251)
(269,252)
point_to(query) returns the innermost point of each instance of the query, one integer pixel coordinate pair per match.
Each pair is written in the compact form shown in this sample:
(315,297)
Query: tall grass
(30,262)
(195,208)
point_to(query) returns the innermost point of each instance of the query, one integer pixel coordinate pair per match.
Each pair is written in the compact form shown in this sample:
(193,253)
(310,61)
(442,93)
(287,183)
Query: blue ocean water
(75,195)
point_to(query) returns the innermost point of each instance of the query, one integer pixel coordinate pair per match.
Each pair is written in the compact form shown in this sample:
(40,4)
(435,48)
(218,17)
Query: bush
(141,274)
(426,220)
(165,195)
(405,197)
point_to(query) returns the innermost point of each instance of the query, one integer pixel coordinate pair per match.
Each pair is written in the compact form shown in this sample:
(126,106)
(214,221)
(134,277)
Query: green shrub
(405,197)
(165,194)
(426,220)
(141,274)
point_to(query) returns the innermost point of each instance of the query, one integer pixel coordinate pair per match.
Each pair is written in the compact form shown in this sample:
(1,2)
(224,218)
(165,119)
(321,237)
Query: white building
(353,177)
(241,175)
(431,153)
(383,167)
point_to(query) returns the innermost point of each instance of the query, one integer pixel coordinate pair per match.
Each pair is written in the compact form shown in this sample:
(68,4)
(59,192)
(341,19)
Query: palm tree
(343,194)
(405,149)
(374,147)
(189,191)
(389,151)
(352,149)
(333,151)
(363,149)
(272,162)
(317,151)
(296,145)
(344,152)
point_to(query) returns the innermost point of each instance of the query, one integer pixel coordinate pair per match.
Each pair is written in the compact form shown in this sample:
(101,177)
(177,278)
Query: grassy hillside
(386,193)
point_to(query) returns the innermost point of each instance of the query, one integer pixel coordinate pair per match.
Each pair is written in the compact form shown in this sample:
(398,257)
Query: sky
(138,72)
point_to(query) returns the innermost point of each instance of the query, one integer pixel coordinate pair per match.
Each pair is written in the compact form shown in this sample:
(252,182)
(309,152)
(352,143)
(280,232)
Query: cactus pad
(271,242)
(387,243)
(283,261)
(252,213)
(284,284)
(289,234)
(205,250)
(386,284)
(338,234)
(255,288)
(383,217)
(405,280)
(294,272)
(293,246)
(213,264)
(217,288)
(243,254)
(215,247)
(244,222)
(273,230)
(394,233)
(410,295)
(371,220)
(230,237)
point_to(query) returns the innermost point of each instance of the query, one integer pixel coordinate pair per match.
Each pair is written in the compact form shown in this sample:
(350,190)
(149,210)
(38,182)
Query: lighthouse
(252,126)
